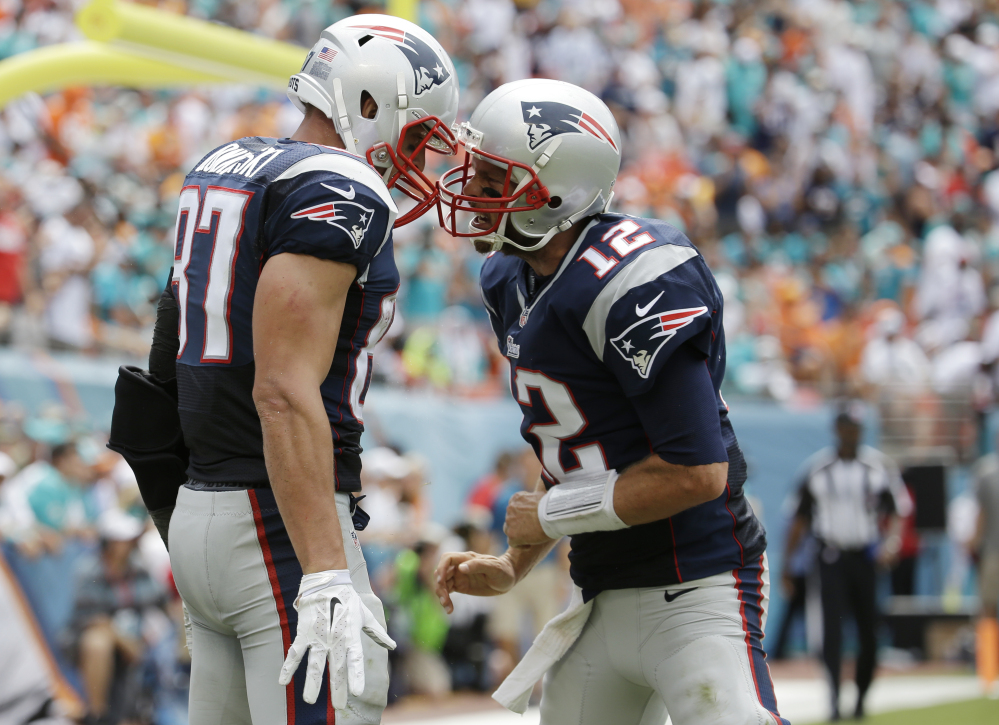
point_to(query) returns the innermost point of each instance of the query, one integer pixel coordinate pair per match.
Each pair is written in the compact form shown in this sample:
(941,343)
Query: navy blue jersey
(619,355)
(242,204)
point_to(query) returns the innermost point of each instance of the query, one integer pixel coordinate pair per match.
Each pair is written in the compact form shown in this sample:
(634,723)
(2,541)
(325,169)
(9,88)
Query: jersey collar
(570,256)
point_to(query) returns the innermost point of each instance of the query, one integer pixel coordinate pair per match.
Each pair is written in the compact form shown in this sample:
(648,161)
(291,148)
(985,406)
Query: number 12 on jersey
(216,253)
(568,422)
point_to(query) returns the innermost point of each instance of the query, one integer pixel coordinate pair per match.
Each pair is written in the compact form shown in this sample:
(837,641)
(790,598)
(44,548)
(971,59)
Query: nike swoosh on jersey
(345,194)
(670,597)
(641,311)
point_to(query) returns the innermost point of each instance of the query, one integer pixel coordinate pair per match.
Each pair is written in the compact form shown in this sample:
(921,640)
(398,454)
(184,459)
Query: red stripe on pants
(265,548)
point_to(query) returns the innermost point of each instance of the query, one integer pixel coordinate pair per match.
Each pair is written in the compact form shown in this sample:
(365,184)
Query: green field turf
(972,712)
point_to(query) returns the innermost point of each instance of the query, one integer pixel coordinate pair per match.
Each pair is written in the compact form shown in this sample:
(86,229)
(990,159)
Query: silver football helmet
(560,149)
(406,72)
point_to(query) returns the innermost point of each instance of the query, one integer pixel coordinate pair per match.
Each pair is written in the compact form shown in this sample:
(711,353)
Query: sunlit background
(834,161)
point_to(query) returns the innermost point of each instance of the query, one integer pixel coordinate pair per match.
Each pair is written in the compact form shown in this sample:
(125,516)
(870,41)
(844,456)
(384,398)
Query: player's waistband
(347,472)
(223,486)
(359,516)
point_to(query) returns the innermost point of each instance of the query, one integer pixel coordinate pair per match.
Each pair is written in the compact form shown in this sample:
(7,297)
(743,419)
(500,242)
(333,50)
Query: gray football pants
(235,568)
(700,656)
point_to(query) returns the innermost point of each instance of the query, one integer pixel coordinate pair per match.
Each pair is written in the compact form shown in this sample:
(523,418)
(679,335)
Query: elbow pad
(145,430)
(580,506)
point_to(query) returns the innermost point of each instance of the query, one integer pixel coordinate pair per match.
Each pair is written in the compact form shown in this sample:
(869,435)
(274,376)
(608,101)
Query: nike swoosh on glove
(331,617)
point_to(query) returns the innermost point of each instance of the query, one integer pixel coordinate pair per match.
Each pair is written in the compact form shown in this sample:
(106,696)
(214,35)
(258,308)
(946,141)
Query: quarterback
(283,282)
(613,328)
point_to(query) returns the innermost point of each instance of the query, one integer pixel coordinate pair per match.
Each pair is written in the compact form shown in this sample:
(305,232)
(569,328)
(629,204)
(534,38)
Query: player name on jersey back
(236,159)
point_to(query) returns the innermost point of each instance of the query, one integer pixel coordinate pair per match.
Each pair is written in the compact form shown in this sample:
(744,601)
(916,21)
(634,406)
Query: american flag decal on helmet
(641,342)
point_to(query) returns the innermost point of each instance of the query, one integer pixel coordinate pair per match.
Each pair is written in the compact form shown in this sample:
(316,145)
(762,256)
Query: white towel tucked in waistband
(549,646)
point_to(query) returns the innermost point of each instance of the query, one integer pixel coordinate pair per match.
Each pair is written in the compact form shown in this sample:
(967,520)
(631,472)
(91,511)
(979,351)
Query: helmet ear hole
(369,106)
(555,202)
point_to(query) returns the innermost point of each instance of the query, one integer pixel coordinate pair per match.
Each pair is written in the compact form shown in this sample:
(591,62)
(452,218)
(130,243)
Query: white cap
(7,466)
(890,321)
(123,476)
(385,463)
(116,525)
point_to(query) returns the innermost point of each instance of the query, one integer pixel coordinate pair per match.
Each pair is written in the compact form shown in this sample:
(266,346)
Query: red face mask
(452,199)
(406,176)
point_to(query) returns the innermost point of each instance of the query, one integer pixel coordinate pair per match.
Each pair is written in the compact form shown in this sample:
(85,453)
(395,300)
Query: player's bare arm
(296,321)
(650,490)
(484,575)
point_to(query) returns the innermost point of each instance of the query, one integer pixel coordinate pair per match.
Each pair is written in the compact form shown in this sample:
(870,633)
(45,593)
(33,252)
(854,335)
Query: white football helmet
(410,77)
(560,148)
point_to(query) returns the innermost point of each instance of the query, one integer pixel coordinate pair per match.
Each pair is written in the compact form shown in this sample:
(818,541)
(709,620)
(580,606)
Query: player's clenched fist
(470,573)
(522,526)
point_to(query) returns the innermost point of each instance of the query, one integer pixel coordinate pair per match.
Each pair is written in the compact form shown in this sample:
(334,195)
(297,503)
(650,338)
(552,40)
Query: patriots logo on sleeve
(428,70)
(349,216)
(547,119)
(641,342)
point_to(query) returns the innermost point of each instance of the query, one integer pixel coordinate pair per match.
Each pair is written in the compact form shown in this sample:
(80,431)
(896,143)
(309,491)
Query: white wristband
(578,506)
(312,583)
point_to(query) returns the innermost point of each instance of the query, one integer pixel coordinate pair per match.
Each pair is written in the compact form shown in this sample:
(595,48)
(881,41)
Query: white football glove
(330,619)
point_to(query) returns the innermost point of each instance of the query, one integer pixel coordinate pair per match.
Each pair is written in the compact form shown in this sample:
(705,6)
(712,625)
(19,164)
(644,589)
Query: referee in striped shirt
(849,494)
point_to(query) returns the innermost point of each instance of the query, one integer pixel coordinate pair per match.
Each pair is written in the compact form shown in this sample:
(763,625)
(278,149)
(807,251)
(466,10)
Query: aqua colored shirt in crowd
(59,504)
(428,274)
(745,83)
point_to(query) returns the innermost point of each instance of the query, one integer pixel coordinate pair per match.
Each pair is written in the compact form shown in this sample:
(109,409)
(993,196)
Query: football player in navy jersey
(284,281)
(612,325)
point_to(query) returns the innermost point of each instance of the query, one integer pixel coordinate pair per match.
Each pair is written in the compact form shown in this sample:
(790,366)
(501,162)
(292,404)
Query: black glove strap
(359,516)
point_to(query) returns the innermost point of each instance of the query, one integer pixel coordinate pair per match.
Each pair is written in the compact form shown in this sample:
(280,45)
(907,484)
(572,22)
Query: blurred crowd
(476,646)
(835,161)
(77,543)
(77,546)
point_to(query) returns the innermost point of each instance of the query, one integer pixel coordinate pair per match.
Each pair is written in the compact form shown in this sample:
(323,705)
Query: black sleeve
(806,503)
(886,503)
(166,339)
(680,412)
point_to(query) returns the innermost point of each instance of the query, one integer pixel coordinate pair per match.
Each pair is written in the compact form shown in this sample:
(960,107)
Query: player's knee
(709,681)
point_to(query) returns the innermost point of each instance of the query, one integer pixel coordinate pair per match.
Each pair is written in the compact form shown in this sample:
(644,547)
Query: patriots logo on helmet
(428,70)
(641,342)
(547,119)
(348,216)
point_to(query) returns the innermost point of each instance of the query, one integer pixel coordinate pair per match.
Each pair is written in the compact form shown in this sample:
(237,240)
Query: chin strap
(498,238)
(343,119)
(402,100)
